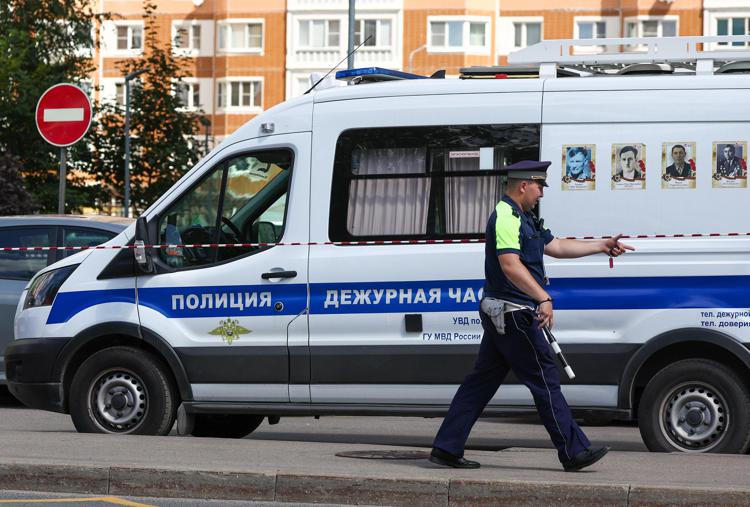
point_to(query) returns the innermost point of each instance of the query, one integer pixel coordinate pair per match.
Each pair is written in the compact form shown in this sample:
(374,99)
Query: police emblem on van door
(229,330)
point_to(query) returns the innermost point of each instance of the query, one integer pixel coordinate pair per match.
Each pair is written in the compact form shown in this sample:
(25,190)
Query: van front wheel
(123,390)
(695,405)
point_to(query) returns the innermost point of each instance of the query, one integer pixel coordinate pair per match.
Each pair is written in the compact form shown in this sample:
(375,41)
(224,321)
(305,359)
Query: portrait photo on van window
(678,167)
(730,164)
(579,167)
(433,182)
(629,166)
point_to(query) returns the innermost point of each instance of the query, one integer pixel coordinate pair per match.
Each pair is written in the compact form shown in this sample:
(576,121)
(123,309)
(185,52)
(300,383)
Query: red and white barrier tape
(343,243)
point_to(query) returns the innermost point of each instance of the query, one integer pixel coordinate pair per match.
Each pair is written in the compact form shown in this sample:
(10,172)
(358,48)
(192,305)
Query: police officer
(514,309)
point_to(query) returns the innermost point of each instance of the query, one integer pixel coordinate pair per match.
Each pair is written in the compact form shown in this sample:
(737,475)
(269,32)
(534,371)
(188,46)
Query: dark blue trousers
(523,349)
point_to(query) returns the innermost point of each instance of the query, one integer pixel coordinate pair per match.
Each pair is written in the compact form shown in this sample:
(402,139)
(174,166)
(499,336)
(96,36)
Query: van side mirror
(140,252)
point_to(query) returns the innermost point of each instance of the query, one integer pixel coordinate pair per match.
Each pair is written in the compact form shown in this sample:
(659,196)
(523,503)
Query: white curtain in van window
(385,207)
(469,200)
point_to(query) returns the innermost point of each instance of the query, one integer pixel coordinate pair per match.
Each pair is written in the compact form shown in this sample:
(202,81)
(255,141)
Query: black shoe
(446,459)
(584,459)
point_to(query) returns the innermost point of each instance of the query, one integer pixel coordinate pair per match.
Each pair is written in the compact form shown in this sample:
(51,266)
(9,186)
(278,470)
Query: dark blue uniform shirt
(511,230)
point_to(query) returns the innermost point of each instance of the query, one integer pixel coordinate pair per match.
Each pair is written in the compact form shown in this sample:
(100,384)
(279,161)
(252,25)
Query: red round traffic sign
(63,114)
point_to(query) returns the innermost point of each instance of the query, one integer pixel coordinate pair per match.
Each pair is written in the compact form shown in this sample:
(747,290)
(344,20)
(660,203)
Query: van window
(23,265)
(422,182)
(242,201)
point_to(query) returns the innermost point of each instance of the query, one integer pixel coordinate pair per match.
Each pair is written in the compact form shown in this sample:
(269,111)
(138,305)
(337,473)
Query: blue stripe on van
(292,296)
(568,293)
(644,293)
(67,304)
(454,296)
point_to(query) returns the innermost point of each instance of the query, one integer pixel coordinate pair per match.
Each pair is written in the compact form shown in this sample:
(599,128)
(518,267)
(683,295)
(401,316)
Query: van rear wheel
(695,405)
(123,390)
(225,425)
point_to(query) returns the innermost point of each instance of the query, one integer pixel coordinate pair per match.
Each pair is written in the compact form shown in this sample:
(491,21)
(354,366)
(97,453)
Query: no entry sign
(63,114)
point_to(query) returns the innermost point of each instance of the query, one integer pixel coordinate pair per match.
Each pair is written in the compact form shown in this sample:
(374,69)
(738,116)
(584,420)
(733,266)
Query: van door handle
(278,274)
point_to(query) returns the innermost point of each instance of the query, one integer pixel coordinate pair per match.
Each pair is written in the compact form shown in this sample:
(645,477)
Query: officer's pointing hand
(614,247)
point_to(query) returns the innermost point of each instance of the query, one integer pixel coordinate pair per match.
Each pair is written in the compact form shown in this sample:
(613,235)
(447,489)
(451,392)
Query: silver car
(17,268)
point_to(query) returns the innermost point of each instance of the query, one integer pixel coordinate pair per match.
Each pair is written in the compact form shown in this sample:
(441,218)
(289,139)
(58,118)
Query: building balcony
(322,58)
(342,5)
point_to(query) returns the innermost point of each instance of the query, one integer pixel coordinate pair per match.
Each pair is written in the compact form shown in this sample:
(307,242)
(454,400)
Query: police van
(327,257)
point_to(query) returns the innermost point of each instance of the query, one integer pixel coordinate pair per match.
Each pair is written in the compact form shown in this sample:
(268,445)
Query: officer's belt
(496,309)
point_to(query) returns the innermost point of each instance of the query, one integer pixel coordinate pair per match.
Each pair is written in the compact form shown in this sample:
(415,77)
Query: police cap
(529,170)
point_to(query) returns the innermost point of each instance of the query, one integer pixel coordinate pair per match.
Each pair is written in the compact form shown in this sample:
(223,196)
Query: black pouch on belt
(495,310)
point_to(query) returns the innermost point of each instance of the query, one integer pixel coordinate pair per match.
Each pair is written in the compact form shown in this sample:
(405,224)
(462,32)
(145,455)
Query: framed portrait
(678,167)
(729,164)
(629,166)
(579,167)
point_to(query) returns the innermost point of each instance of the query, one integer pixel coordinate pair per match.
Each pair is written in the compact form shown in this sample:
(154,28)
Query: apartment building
(236,49)
(248,55)
(318,35)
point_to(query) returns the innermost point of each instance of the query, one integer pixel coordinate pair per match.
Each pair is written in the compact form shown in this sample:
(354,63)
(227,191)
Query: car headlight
(44,287)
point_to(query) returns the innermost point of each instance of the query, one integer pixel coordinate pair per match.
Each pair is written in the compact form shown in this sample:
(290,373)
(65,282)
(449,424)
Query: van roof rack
(374,75)
(507,71)
(684,52)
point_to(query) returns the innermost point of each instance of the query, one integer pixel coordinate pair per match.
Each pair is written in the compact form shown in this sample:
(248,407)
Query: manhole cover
(384,454)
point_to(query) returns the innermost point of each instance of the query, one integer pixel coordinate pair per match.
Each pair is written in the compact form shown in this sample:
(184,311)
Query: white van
(359,213)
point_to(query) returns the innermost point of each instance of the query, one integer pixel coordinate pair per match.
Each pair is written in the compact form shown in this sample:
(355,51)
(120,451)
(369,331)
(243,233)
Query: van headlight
(44,287)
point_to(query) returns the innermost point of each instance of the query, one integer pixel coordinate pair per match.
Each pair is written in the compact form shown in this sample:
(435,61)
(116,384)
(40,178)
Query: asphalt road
(300,460)
(32,499)
(488,435)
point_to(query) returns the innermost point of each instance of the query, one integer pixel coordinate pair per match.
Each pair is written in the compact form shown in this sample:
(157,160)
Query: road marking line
(106,499)
(122,501)
(63,114)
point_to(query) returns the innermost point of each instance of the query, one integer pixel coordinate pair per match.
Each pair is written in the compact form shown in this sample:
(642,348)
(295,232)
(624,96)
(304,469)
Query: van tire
(225,425)
(123,390)
(696,395)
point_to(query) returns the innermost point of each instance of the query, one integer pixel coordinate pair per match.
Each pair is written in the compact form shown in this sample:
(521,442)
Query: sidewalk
(311,472)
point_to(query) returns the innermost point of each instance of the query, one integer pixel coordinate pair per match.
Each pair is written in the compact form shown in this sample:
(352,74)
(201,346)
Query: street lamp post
(128,79)
(350,45)
(206,129)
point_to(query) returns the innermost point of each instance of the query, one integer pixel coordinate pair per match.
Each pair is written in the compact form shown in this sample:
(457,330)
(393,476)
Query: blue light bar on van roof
(375,74)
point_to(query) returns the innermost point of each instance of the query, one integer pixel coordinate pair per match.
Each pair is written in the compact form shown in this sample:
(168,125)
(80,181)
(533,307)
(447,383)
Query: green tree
(43,42)
(16,200)
(162,144)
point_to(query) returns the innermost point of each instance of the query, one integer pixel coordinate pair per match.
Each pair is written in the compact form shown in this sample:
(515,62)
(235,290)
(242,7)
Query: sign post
(63,116)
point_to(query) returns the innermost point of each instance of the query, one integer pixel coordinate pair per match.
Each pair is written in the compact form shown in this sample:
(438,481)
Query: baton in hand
(556,347)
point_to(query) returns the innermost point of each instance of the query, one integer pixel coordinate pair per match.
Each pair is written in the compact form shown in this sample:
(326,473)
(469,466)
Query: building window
(189,94)
(592,30)
(458,34)
(733,26)
(188,37)
(120,94)
(378,31)
(120,97)
(240,94)
(422,182)
(129,37)
(651,28)
(241,36)
(319,33)
(526,34)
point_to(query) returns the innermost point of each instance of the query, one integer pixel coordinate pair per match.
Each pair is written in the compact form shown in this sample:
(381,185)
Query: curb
(289,487)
